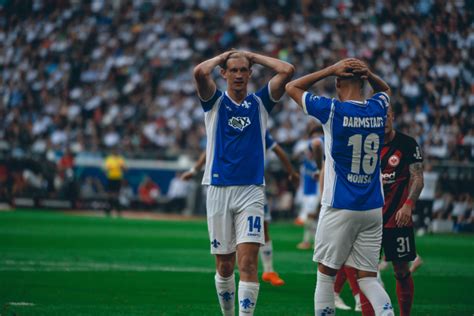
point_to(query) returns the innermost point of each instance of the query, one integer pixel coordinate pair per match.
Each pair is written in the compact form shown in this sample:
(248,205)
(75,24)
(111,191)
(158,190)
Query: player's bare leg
(266,254)
(375,293)
(338,285)
(247,261)
(405,287)
(225,283)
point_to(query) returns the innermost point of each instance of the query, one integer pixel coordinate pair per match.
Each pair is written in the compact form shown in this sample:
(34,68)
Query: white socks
(266,254)
(377,296)
(226,294)
(248,294)
(324,295)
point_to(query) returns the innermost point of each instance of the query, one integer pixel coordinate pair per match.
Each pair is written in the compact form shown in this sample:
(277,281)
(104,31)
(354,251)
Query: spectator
(149,193)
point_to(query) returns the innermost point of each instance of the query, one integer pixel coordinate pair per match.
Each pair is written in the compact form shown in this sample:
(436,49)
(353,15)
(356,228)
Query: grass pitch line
(20,304)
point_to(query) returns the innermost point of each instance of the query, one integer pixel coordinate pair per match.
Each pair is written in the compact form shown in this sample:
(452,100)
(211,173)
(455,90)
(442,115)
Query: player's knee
(248,265)
(401,270)
(225,268)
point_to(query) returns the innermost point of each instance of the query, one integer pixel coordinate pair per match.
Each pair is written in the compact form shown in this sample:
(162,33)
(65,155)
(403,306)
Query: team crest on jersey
(394,160)
(239,122)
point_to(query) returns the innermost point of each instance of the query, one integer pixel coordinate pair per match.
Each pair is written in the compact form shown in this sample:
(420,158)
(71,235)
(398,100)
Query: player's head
(350,85)
(389,122)
(315,131)
(236,70)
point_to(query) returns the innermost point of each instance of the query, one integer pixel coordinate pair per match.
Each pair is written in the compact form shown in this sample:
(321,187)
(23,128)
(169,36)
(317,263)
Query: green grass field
(56,264)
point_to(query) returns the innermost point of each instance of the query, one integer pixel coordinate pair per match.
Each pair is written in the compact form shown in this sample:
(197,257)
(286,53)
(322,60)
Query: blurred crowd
(88,76)
(93,75)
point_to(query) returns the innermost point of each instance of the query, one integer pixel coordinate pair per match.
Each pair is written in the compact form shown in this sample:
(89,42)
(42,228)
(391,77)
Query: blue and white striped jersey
(236,138)
(353,134)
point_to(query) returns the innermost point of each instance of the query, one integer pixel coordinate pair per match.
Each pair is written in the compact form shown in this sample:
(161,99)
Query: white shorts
(349,237)
(267,215)
(234,216)
(309,205)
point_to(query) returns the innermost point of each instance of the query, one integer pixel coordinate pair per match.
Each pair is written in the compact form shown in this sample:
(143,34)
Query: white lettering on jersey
(389,178)
(366,122)
(359,178)
(417,155)
(239,122)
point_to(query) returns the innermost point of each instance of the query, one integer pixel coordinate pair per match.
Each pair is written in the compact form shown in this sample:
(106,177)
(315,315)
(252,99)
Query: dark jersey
(397,156)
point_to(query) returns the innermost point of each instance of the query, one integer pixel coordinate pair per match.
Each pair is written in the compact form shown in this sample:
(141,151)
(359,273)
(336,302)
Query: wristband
(409,202)
(193,170)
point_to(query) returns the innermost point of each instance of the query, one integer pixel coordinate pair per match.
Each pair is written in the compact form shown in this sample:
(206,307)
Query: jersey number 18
(369,156)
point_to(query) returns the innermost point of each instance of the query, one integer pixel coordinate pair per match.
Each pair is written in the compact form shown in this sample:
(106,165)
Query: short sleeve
(266,97)
(269,142)
(381,98)
(414,152)
(208,104)
(317,106)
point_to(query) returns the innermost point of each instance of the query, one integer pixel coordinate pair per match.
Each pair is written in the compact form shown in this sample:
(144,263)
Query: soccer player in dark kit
(402,177)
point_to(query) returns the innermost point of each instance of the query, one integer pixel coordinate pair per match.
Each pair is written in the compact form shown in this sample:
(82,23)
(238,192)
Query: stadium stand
(90,76)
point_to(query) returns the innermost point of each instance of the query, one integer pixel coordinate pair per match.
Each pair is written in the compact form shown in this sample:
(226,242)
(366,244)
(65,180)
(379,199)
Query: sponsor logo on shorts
(403,255)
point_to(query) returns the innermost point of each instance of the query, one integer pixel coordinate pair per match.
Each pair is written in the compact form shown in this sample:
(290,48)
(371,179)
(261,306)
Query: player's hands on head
(403,216)
(225,55)
(343,68)
(360,68)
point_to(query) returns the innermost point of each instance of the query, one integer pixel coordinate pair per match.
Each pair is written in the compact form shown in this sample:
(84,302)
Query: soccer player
(402,175)
(312,164)
(266,251)
(235,126)
(350,223)
(114,166)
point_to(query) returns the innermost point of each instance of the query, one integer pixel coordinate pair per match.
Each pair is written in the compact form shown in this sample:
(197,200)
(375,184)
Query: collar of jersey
(359,103)
(230,98)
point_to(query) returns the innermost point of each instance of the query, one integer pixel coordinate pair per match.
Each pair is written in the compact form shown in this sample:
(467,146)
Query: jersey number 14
(369,156)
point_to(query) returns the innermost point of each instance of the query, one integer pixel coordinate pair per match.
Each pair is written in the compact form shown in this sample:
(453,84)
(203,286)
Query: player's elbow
(199,72)
(288,70)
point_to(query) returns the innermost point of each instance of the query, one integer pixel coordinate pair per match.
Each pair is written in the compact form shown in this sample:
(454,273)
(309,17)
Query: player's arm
(317,148)
(293,176)
(377,83)
(415,186)
(296,88)
(206,86)
(196,168)
(284,72)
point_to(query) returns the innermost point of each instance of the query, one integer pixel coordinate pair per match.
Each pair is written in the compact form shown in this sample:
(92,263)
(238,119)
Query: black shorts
(114,186)
(399,244)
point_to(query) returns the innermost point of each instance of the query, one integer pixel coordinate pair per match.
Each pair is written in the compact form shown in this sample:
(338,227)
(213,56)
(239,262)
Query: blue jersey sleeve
(264,95)
(381,98)
(208,104)
(269,142)
(317,106)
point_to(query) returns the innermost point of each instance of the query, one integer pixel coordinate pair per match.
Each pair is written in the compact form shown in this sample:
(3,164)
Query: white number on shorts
(257,224)
(404,244)
(371,146)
